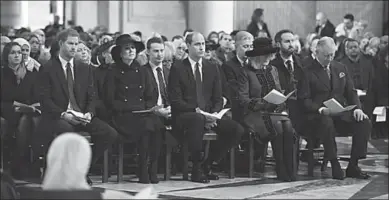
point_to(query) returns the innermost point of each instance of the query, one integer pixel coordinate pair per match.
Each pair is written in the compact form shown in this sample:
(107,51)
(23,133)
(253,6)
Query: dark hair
(177,37)
(154,40)
(63,35)
(6,52)
(138,33)
(348,40)
(187,30)
(164,38)
(349,16)
(79,29)
(54,48)
(256,14)
(211,33)
(233,33)
(277,37)
(340,53)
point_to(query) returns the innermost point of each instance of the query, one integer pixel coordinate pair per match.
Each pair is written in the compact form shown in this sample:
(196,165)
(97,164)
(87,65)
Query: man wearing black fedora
(130,89)
(271,121)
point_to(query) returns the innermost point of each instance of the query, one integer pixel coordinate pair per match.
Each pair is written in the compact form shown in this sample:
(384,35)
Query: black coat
(100,81)
(26,92)
(253,29)
(377,94)
(328,30)
(129,88)
(315,88)
(233,72)
(182,88)
(55,93)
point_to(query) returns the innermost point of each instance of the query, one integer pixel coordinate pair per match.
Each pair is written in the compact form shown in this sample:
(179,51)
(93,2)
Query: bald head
(321,19)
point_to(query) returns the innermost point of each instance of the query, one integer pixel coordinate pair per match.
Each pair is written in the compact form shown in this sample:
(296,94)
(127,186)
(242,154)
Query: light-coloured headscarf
(31,63)
(104,39)
(68,162)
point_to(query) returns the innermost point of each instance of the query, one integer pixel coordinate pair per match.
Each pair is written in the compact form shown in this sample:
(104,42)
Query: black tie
(162,87)
(72,98)
(289,66)
(199,88)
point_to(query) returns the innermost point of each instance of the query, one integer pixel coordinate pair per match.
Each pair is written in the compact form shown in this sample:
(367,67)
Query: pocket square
(342,74)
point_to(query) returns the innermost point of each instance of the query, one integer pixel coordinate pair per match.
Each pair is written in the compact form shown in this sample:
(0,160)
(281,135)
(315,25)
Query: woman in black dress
(18,84)
(129,89)
(258,79)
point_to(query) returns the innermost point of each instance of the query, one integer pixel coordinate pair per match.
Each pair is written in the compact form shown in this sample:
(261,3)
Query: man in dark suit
(289,69)
(234,67)
(323,26)
(309,59)
(360,67)
(68,85)
(194,88)
(322,81)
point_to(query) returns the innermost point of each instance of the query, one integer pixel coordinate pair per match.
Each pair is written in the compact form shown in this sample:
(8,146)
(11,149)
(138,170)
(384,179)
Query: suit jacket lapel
(189,70)
(61,77)
(77,79)
(205,74)
(155,85)
(322,75)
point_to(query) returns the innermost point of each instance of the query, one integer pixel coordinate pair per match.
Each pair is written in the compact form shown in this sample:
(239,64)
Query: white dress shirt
(193,65)
(155,72)
(64,63)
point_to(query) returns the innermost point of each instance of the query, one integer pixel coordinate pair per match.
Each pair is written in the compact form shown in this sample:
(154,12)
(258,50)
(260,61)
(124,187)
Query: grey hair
(325,42)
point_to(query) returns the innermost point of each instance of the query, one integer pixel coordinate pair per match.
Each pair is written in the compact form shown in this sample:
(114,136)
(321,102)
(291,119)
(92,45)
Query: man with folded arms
(67,86)
(323,80)
(195,87)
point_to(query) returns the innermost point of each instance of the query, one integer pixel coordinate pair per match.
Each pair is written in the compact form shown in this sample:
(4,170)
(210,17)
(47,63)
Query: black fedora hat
(126,39)
(262,46)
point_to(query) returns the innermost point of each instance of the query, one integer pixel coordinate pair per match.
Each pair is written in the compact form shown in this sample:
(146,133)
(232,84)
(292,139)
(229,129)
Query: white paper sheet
(380,111)
(276,97)
(218,115)
(361,93)
(336,107)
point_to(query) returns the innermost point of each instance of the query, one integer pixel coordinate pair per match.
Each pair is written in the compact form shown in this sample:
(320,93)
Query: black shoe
(198,176)
(209,174)
(356,172)
(337,172)
(89,181)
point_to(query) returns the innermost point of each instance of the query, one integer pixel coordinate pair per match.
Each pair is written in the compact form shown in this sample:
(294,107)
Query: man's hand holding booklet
(24,108)
(336,108)
(80,117)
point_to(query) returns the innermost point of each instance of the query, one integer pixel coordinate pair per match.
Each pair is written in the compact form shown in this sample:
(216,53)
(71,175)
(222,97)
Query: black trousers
(326,128)
(102,135)
(191,125)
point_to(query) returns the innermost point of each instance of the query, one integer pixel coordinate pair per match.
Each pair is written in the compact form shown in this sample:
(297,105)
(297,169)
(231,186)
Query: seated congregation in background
(120,87)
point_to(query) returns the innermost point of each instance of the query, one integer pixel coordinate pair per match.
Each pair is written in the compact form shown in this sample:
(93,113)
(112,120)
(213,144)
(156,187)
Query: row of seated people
(178,97)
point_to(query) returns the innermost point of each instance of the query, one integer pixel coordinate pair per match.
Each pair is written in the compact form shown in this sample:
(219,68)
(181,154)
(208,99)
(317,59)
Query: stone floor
(264,186)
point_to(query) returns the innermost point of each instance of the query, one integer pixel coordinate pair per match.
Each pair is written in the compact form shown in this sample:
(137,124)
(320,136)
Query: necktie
(199,88)
(162,87)
(72,98)
(289,66)
(328,71)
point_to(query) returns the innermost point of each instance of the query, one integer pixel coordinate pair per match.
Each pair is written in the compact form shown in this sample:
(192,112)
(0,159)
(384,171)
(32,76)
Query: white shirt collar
(286,59)
(154,67)
(193,63)
(241,61)
(64,62)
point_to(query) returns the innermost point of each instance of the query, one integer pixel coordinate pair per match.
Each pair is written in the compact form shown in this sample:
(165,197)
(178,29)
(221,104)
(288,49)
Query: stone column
(14,13)
(207,16)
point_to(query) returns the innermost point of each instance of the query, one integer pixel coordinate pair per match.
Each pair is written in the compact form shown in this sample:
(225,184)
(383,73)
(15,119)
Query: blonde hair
(169,50)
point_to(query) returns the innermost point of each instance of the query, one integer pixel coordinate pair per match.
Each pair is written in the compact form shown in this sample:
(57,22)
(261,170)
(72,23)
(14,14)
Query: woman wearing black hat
(258,79)
(128,90)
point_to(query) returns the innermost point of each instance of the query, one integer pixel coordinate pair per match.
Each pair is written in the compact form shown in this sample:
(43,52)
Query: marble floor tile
(382,197)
